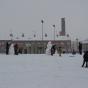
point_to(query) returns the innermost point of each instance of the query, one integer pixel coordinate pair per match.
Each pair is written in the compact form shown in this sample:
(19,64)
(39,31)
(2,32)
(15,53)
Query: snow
(42,71)
(11,49)
(48,49)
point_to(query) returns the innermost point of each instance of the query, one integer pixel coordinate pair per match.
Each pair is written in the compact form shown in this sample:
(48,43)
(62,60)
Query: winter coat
(53,48)
(7,48)
(85,56)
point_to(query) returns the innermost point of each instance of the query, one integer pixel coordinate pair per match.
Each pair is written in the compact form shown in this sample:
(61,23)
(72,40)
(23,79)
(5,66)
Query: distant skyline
(24,16)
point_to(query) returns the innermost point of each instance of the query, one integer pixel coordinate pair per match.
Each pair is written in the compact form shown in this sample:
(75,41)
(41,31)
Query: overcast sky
(24,16)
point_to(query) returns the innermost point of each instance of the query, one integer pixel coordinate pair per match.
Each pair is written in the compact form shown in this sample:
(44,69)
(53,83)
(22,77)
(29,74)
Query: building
(62,32)
(85,45)
(37,46)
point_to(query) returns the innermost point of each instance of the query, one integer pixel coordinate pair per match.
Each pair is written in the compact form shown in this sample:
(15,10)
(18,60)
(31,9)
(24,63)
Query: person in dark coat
(7,48)
(85,57)
(53,49)
(16,49)
(80,48)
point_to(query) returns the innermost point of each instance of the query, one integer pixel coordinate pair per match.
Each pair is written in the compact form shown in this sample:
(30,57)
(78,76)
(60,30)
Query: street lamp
(11,35)
(42,28)
(54,31)
(22,35)
(77,44)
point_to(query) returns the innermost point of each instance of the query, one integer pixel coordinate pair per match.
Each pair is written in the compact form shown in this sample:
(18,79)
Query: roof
(26,38)
(85,41)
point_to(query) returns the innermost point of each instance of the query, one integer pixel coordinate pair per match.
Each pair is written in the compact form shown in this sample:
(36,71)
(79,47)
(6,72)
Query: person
(80,48)
(16,49)
(60,51)
(53,49)
(7,48)
(85,59)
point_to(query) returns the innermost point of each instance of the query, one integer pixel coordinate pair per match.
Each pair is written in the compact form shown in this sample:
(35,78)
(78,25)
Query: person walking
(85,59)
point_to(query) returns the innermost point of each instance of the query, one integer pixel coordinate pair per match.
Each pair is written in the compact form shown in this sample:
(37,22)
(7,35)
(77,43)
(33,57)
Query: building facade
(85,45)
(36,46)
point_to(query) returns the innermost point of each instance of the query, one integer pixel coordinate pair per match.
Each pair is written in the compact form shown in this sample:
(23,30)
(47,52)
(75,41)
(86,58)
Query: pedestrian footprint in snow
(85,59)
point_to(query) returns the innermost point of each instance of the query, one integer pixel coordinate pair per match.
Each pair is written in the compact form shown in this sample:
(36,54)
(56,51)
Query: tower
(62,33)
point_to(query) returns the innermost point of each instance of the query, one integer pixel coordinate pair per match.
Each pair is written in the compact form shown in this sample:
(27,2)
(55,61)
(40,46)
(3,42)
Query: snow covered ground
(42,71)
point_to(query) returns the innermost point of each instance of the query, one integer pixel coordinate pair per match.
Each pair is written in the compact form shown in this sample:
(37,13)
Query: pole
(42,35)
(54,32)
(42,28)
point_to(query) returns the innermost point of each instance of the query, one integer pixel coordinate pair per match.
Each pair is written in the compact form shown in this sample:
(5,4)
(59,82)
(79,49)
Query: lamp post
(42,28)
(11,35)
(22,35)
(54,32)
(77,44)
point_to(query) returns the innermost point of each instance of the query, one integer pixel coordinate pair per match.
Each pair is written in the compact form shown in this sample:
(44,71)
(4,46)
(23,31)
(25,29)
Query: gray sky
(24,16)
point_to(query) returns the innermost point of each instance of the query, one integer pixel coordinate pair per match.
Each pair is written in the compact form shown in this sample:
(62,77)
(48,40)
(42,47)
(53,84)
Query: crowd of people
(51,49)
